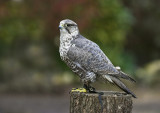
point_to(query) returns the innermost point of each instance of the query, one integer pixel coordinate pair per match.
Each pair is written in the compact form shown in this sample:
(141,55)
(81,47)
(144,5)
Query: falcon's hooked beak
(60,26)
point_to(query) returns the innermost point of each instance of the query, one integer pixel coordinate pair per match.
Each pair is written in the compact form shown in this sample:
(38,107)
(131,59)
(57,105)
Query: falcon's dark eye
(69,25)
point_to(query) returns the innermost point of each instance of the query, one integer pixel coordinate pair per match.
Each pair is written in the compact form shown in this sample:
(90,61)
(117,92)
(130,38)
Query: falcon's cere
(86,59)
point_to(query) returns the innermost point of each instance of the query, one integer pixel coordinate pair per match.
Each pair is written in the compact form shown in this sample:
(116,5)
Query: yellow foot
(79,90)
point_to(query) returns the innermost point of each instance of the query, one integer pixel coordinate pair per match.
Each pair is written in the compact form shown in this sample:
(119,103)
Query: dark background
(33,79)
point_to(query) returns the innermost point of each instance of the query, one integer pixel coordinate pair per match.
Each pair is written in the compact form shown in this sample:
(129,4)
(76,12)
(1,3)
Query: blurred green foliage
(17,25)
(150,74)
(29,38)
(144,38)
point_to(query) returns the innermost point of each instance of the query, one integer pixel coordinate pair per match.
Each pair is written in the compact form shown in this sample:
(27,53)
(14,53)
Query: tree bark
(112,102)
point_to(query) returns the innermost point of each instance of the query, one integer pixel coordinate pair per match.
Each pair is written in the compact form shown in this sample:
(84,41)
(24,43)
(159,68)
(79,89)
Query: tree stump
(112,102)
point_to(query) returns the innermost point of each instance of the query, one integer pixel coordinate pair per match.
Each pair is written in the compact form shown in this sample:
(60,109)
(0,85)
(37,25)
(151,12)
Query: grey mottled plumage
(86,59)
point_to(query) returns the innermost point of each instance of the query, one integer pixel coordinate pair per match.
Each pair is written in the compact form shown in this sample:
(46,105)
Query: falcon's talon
(92,89)
(89,88)
(79,90)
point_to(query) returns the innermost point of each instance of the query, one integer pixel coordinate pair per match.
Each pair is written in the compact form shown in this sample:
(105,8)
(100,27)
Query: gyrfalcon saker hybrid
(86,59)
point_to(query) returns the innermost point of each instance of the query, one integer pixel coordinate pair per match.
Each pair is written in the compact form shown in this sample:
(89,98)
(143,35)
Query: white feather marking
(65,43)
(108,78)
(118,68)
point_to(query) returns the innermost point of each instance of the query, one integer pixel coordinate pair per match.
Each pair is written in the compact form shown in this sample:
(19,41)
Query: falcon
(87,60)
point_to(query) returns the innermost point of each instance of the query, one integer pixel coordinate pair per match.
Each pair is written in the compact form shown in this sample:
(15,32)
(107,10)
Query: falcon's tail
(119,83)
(123,75)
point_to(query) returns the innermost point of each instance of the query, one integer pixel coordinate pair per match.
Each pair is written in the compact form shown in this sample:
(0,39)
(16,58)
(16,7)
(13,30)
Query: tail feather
(123,75)
(119,83)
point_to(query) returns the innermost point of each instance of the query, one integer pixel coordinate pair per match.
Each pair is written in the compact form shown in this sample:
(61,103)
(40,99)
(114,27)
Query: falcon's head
(68,27)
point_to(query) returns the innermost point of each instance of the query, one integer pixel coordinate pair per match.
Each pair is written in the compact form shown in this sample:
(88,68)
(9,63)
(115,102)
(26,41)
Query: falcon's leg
(89,88)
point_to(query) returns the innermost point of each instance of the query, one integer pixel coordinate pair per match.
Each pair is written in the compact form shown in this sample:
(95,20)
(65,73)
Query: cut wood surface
(112,102)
